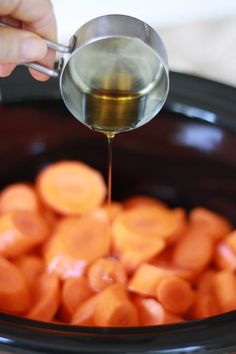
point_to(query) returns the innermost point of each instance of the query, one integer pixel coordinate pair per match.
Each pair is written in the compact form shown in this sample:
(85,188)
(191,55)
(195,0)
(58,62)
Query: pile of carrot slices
(65,256)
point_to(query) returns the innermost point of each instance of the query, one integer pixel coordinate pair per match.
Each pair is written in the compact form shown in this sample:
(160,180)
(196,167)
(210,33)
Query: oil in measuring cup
(119,84)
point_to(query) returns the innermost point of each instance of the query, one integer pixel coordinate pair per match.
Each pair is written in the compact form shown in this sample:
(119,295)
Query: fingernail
(32,49)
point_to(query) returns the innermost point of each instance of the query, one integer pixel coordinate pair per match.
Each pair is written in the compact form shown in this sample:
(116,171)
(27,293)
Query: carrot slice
(204,283)
(175,294)
(71,187)
(114,309)
(146,279)
(194,250)
(210,222)
(225,255)
(84,314)
(204,305)
(46,298)
(136,236)
(224,288)
(74,292)
(18,196)
(152,313)
(20,232)
(76,243)
(30,266)
(142,202)
(151,222)
(14,291)
(104,272)
(230,240)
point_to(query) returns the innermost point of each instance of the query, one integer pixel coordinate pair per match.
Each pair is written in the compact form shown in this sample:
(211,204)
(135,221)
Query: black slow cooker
(185,156)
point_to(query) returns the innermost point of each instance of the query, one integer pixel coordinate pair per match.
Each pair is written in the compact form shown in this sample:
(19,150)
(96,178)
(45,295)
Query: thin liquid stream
(110,137)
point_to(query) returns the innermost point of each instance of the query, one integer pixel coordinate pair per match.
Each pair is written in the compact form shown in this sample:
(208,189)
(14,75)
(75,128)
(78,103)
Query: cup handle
(7,21)
(57,47)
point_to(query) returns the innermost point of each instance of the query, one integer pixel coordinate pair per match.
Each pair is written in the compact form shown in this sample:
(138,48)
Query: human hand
(25,45)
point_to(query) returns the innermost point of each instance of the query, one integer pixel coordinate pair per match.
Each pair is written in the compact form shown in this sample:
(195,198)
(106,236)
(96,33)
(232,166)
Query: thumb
(17,46)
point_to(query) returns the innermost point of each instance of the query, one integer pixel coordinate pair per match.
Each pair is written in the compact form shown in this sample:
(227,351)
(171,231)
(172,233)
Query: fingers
(6,69)
(37,15)
(19,46)
(48,61)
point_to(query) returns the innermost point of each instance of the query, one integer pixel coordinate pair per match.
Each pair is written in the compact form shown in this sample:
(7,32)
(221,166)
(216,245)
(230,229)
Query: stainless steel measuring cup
(114,74)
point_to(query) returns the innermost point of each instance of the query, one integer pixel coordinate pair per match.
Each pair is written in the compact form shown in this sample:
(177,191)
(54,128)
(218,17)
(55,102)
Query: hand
(25,45)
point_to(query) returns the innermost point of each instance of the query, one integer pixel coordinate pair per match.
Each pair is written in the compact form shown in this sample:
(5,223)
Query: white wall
(200,35)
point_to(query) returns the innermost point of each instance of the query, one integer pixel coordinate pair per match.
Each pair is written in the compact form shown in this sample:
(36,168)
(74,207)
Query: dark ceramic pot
(186,157)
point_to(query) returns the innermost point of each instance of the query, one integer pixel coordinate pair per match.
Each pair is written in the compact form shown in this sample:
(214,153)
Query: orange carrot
(194,250)
(20,232)
(151,222)
(115,309)
(74,292)
(204,283)
(71,187)
(106,213)
(204,305)
(230,240)
(225,255)
(152,313)
(175,294)
(30,266)
(146,279)
(142,202)
(138,236)
(76,243)
(18,196)
(46,298)
(224,288)
(84,314)
(14,291)
(104,272)
(210,222)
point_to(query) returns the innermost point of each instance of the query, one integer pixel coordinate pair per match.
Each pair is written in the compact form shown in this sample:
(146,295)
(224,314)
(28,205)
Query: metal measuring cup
(114,73)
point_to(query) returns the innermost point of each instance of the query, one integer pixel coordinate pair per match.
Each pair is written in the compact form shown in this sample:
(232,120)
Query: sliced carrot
(175,294)
(46,298)
(104,272)
(225,255)
(204,283)
(107,212)
(194,250)
(20,232)
(142,202)
(74,292)
(71,187)
(114,309)
(136,238)
(224,288)
(149,222)
(30,266)
(138,252)
(210,222)
(18,196)
(14,291)
(230,240)
(146,279)
(84,314)
(204,305)
(50,217)
(76,243)
(152,313)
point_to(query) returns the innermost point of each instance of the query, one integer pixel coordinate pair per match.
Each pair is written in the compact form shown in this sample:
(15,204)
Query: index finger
(38,16)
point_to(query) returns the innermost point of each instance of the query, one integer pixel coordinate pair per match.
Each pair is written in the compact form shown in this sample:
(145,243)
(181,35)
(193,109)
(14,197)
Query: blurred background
(200,35)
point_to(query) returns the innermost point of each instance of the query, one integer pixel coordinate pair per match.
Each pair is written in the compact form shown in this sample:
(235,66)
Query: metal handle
(57,47)
(8,21)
